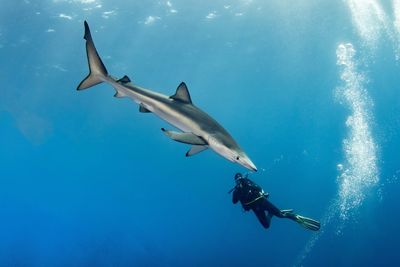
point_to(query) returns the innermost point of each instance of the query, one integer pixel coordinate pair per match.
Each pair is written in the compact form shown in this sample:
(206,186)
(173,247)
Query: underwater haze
(309,89)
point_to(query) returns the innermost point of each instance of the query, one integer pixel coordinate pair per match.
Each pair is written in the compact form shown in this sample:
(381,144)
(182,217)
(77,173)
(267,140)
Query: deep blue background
(87,180)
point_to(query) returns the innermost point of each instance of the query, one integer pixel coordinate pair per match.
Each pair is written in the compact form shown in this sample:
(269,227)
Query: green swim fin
(307,222)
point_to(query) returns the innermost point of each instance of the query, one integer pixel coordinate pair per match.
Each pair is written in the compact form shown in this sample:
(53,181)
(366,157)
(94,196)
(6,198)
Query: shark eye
(237,158)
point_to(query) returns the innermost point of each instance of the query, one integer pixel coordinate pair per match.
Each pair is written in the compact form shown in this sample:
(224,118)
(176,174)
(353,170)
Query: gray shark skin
(198,128)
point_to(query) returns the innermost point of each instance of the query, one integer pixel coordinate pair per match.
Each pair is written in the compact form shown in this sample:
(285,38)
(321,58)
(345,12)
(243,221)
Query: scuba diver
(253,197)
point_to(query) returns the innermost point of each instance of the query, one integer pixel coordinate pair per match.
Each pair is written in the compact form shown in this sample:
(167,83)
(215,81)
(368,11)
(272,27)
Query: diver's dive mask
(238,176)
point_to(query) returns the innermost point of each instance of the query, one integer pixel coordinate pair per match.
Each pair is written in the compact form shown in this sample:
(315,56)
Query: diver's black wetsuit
(253,197)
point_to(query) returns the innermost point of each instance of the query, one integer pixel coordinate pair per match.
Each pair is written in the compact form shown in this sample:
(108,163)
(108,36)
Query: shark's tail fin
(97,70)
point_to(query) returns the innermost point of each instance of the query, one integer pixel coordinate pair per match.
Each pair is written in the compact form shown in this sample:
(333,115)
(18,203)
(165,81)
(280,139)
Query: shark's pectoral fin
(187,138)
(182,94)
(195,150)
(143,109)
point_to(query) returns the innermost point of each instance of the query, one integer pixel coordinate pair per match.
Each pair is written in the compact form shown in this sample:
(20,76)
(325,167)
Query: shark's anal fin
(182,94)
(124,79)
(195,149)
(143,109)
(187,138)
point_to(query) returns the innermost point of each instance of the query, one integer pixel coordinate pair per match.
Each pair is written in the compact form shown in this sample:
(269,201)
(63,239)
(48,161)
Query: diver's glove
(262,193)
(233,189)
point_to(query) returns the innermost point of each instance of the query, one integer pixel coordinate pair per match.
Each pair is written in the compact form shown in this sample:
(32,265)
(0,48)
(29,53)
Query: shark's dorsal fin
(124,79)
(182,94)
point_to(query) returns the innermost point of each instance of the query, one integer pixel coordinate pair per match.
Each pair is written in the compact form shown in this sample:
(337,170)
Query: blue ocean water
(309,89)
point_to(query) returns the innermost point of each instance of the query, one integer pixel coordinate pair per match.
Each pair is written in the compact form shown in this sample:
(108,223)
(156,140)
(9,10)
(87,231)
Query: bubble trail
(359,173)
(370,20)
(396,25)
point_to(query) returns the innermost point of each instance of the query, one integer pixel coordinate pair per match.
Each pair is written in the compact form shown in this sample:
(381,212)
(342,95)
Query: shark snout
(247,163)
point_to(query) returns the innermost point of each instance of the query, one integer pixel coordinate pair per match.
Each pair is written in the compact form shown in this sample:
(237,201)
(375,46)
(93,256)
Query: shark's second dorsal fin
(182,94)
(143,109)
(124,79)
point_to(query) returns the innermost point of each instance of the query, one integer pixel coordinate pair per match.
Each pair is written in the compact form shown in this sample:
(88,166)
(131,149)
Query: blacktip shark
(198,128)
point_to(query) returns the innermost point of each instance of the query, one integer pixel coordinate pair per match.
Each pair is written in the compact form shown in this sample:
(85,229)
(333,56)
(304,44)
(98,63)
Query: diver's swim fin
(307,222)
(284,212)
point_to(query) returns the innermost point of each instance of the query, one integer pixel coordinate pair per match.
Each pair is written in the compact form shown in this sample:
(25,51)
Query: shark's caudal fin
(96,67)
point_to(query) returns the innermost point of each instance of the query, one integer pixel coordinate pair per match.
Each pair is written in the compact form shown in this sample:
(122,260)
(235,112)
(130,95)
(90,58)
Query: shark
(197,128)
